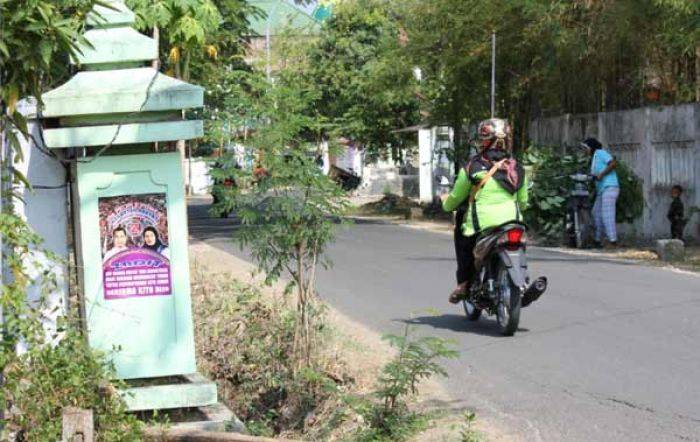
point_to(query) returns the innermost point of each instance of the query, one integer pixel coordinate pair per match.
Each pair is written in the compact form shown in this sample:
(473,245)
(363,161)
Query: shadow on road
(458,323)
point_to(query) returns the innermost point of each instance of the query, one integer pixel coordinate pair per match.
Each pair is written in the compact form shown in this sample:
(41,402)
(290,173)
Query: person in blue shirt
(607,190)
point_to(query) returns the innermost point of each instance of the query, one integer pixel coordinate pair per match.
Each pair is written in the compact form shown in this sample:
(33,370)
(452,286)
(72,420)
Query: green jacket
(498,202)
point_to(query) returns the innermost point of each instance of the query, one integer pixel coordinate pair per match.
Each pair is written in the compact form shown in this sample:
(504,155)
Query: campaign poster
(134,241)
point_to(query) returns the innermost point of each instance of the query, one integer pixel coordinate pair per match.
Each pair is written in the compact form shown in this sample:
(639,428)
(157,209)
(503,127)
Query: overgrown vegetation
(468,433)
(259,379)
(45,370)
(245,342)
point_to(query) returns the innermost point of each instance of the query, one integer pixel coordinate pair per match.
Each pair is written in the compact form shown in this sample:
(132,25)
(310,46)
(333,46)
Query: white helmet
(496,133)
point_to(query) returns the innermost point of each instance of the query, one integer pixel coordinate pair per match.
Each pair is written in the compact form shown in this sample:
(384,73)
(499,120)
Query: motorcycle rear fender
(516,263)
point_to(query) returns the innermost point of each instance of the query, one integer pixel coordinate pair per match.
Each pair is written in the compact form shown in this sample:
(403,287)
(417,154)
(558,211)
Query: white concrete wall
(46,210)
(425,161)
(661,144)
(200,181)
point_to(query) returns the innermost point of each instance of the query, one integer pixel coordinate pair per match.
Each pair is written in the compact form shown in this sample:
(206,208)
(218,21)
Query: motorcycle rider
(494,187)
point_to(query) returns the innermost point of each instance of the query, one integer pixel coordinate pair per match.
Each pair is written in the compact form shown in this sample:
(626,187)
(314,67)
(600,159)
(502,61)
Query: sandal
(458,294)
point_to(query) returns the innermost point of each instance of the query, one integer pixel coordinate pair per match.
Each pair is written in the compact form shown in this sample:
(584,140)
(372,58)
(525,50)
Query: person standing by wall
(676,213)
(607,190)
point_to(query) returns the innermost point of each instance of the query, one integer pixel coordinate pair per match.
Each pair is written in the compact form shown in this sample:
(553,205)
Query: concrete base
(188,391)
(670,249)
(215,418)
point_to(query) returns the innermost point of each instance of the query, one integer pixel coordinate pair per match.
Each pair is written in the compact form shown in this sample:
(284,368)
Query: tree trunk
(155,64)
(697,73)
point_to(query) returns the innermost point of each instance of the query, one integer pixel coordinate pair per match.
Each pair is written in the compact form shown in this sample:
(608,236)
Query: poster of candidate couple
(134,241)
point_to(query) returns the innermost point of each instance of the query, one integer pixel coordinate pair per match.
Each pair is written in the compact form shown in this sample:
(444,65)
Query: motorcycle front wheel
(508,309)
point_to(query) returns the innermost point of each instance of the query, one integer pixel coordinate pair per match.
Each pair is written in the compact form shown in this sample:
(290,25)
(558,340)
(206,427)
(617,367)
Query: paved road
(611,352)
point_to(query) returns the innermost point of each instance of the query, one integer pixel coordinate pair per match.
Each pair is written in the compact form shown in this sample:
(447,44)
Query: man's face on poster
(149,238)
(119,239)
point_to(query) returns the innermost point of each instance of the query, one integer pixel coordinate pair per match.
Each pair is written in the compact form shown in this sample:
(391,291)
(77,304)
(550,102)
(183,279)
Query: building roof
(280,15)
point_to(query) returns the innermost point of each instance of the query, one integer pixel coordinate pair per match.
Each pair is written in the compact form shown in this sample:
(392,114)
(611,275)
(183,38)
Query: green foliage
(630,203)
(553,57)
(549,177)
(468,433)
(389,418)
(36,39)
(549,180)
(363,91)
(48,378)
(417,360)
(54,371)
(187,28)
(288,213)
(199,39)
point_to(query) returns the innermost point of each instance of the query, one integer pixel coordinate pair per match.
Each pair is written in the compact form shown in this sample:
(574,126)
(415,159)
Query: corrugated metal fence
(661,144)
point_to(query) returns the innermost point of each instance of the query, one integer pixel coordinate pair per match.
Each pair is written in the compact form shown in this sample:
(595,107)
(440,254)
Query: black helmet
(591,144)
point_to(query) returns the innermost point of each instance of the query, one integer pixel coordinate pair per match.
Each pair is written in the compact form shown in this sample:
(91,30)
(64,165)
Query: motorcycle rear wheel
(473,313)
(508,308)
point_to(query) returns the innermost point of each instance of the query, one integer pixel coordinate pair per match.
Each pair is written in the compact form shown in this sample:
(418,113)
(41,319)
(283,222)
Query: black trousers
(677,228)
(464,249)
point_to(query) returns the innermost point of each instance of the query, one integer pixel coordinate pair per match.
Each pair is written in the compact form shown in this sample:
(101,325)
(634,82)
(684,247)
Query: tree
(287,206)
(185,29)
(363,92)
(36,39)
(553,57)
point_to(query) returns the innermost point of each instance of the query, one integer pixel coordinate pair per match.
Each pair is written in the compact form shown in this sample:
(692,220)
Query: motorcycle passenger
(494,187)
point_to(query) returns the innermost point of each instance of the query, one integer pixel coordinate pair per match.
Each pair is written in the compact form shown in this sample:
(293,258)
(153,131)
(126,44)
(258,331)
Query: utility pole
(493,74)
(268,69)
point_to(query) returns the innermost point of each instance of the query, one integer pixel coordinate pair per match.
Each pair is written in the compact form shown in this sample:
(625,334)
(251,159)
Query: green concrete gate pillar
(131,221)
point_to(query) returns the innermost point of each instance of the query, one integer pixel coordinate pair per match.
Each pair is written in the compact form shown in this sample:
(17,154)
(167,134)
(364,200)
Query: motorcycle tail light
(515,236)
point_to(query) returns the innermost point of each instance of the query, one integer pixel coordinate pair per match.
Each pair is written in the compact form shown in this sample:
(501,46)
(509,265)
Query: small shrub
(388,416)
(45,380)
(468,433)
(53,371)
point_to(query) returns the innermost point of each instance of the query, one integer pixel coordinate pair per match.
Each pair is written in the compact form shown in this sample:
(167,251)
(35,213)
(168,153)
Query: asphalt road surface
(611,352)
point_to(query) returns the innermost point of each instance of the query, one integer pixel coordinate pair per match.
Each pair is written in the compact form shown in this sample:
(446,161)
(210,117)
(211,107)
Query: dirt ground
(365,353)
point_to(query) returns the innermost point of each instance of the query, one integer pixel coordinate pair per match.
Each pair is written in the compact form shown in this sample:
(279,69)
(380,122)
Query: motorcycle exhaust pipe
(534,291)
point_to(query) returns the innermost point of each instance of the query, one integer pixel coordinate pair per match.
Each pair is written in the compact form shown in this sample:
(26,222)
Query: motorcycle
(578,214)
(502,284)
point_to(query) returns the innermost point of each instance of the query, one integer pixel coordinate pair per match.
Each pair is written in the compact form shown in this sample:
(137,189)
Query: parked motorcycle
(502,284)
(579,228)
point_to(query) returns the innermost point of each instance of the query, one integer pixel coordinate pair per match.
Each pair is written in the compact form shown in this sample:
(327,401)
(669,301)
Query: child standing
(676,213)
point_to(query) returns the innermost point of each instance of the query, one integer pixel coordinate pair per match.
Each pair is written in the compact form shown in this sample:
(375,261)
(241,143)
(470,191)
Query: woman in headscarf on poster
(151,241)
